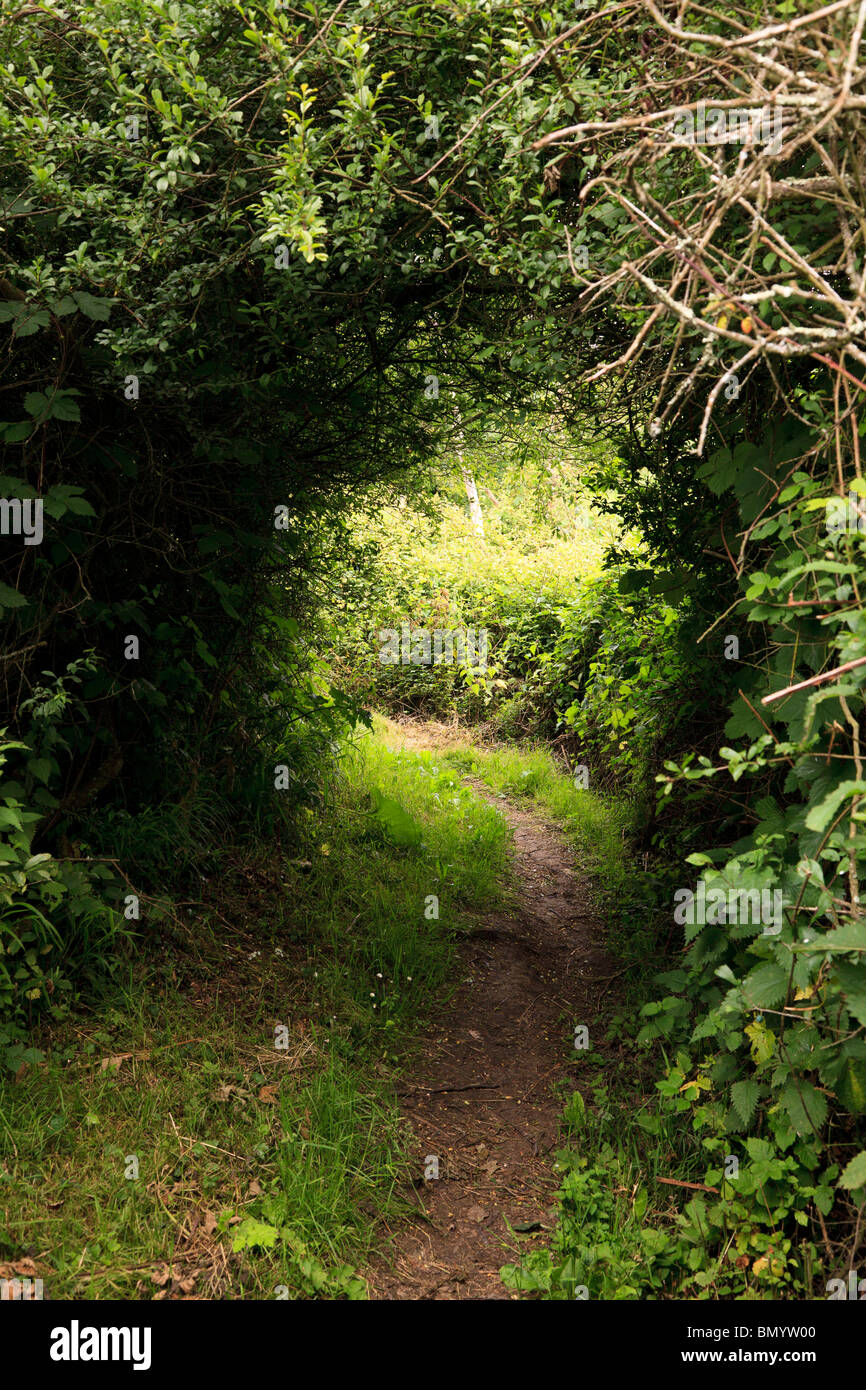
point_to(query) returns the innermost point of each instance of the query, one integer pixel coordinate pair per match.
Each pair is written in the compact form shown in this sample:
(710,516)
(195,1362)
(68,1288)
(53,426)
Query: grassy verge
(596,827)
(219,1124)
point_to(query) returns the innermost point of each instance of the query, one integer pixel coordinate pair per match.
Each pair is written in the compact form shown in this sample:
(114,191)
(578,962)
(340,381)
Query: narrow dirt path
(481,1098)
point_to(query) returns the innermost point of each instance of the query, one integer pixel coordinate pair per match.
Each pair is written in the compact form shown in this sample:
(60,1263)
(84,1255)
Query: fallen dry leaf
(114,1062)
(227,1090)
(19,1268)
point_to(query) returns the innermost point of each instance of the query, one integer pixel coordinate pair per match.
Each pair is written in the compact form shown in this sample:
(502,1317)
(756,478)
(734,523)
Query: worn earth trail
(481,1095)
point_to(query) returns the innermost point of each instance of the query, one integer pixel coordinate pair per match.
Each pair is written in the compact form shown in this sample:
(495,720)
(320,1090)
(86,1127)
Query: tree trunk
(474,505)
(475,512)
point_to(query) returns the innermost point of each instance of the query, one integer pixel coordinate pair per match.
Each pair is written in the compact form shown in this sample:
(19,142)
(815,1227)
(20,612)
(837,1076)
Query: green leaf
(852,981)
(63,407)
(14,431)
(65,498)
(765,987)
(806,1107)
(850,937)
(398,825)
(59,406)
(92,306)
(851,1086)
(36,404)
(854,1175)
(820,816)
(744,1098)
(28,324)
(762,1040)
(10,598)
(253,1232)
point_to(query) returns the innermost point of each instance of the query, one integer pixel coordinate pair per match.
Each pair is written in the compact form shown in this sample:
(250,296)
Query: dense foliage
(260,258)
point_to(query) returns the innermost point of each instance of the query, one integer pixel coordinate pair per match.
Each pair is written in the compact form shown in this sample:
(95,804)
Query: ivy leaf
(743,721)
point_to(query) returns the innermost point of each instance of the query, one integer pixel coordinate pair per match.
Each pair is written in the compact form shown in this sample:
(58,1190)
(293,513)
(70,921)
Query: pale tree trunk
(474,505)
(475,513)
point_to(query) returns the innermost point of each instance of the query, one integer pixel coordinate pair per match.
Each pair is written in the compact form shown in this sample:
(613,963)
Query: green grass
(262,1171)
(374,942)
(265,1171)
(596,827)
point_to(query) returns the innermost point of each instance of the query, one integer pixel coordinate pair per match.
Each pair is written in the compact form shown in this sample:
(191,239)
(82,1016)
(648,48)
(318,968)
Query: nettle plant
(735,266)
(783,1010)
(629,679)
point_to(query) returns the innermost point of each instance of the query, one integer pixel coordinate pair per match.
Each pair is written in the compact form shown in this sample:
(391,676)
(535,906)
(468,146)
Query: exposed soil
(481,1095)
